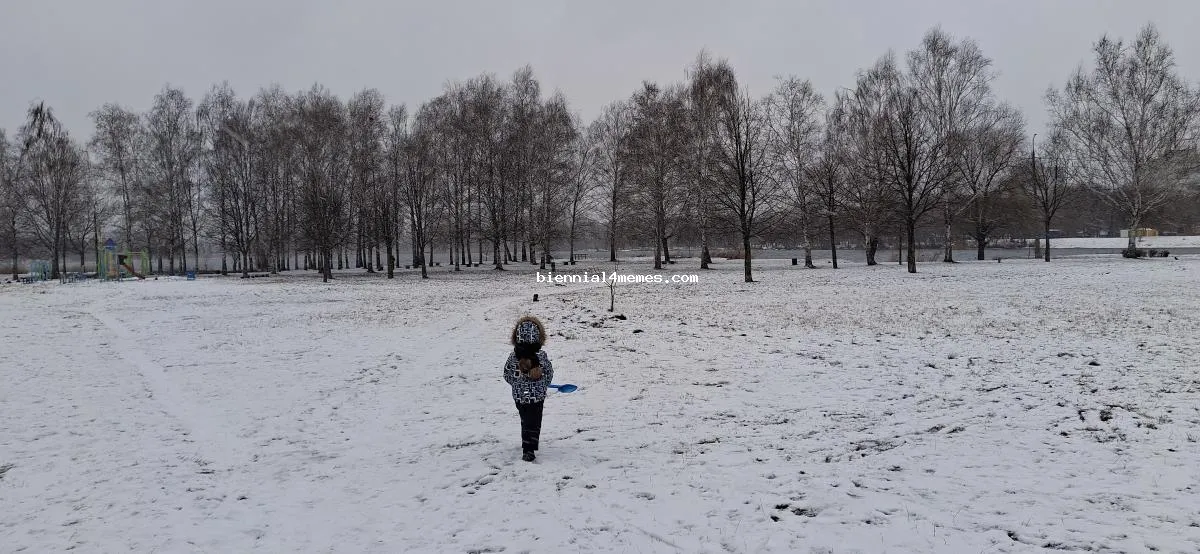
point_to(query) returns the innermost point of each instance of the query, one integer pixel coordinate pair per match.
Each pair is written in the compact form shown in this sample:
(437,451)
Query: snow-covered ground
(1117,243)
(975,407)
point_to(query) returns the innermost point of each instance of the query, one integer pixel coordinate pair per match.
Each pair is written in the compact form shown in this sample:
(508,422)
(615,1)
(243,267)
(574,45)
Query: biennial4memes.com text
(614,277)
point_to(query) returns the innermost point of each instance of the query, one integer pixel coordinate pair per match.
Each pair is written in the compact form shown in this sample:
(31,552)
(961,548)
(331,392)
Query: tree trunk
(391,258)
(666,251)
(872,246)
(96,239)
(746,253)
(704,259)
(54,256)
(833,241)
(1047,251)
(980,246)
(195,247)
(612,243)
(949,237)
(900,249)
(658,238)
(912,245)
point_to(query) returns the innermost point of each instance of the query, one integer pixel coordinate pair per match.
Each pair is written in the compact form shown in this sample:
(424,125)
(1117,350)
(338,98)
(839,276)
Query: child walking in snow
(529,372)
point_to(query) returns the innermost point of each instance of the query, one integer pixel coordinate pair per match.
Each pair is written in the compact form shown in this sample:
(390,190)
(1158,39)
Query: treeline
(495,171)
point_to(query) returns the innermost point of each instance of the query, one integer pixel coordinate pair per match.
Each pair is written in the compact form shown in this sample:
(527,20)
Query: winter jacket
(526,390)
(527,337)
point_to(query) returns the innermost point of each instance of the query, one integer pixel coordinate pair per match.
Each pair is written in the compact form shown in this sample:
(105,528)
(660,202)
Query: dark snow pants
(531,424)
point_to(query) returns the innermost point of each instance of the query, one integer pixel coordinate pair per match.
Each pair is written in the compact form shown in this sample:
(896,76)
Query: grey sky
(77,55)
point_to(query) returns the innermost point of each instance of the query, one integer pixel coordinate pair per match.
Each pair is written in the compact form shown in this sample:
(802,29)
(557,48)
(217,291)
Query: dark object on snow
(795,261)
(1133,252)
(565,387)
(637,330)
(535,298)
(531,427)
(620,317)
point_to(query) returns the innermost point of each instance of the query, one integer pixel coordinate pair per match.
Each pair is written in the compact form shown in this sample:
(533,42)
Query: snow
(1118,243)
(973,407)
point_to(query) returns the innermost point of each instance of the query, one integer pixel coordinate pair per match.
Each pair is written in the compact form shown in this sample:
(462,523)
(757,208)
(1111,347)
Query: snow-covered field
(1117,243)
(976,407)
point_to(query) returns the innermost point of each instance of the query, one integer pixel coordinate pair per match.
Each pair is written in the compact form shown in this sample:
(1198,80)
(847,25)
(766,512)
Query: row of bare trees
(495,172)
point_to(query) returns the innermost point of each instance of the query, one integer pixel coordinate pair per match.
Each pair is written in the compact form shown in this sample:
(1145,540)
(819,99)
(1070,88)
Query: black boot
(528,456)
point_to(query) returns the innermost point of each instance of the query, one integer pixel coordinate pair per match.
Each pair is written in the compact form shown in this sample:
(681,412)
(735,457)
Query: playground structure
(115,266)
(39,270)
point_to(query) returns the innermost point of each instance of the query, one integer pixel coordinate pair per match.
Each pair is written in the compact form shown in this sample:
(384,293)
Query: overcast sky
(79,54)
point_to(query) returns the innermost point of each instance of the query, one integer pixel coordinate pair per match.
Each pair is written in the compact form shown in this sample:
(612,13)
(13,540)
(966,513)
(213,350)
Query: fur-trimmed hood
(529,330)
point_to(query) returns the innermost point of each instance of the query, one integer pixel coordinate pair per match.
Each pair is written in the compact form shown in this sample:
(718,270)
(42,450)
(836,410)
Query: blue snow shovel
(564,388)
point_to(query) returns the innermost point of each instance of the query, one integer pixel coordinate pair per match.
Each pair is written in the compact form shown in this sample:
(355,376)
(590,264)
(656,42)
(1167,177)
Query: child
(529,372)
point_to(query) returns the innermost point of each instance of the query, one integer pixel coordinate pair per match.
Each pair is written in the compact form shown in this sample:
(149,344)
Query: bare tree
(581,184)
(173,152)
(610,134)
(324,194)
(657,147)
(273,139)
(1047,182)
(953,83)
(794,130)
(11,201)
(707,79)
(227,128)
(421,176)
(554,170)
(913,148)
(53,185)
(520,164)
(744,187)
(397,171)
(1124,121)
(39,127)
(982,155)
(365,143)
(87,222)
(489,165)
(867,200)
(118,162)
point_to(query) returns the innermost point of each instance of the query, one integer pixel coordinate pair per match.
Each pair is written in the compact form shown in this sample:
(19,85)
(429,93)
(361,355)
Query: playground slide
(132,272)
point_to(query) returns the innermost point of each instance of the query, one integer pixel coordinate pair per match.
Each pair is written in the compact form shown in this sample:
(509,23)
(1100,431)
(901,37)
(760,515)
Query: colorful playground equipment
(115,266)
(39,270)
